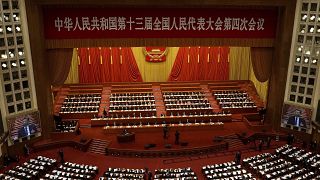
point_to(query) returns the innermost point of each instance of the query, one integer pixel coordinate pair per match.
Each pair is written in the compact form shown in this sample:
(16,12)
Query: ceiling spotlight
(318,30)
(14,64)
(1,30)
(308,52)
(17,18)
(4,65)
(298,59)
(314,61)
(299,49)
(20,53)
(6,18)
(4,56)
(311,29)
(302,31)
(9,29)
(306,60)
(11,55)
(304,17)
(312,17)
(18,29)
(22,62)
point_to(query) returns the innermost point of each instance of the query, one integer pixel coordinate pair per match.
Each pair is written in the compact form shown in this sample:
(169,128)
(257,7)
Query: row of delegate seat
(186,102)
(70,170)
(300,156)
(123,173)
(233,99)
(81,103)
(178,173)
(32,169)
(131,105)
(227,171)
(273,166)
(66,126)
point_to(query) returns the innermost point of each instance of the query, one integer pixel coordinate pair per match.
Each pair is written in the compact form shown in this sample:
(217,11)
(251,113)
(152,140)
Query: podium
(126,137)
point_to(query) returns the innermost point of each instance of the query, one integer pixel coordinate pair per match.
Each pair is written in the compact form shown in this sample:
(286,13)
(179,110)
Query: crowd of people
(32,169)
(66,126)
(81,103)
(233,99)
(229,170)
(287,162)
(124,173)
(188,102)
(131,104)
(178,173)
(68,170)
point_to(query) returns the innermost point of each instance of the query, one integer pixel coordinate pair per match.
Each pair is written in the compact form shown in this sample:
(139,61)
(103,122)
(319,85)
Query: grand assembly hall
(167,89)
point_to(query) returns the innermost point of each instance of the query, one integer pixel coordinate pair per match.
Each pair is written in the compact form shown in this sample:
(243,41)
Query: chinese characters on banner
(158,23)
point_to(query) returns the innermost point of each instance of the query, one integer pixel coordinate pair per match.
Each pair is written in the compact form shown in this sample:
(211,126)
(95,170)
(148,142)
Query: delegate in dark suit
(27,129)
(297,120)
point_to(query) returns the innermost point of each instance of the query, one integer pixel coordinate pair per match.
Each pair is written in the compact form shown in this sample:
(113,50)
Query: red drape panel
(199,68)
(98,65)
(261,59)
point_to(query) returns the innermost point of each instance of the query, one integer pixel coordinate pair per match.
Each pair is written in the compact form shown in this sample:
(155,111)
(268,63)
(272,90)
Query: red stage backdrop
(84,23)
(97,65)
(201,63)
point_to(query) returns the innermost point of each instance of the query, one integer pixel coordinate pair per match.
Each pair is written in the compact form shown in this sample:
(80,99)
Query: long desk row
(158,127)
(168,119)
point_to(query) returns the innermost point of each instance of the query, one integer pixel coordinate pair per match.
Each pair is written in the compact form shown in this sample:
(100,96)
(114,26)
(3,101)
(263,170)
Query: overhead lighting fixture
(14,64)
(300,49)
(314,61)
(4,56)
(1,30)
(311,29)
(22,62)
(306,60)
(302,31)
(312,17)
(318,30)
(4,65)
(298,59)
(9,29)
(308,52)
(304,17)
(18,28)
(20,53)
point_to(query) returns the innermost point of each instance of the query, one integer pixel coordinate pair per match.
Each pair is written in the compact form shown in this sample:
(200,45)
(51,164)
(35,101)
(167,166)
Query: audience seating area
(70,170)
(66,126)
(182,103)
(287,162)
(135,105)
(280,165)
(81,103)
(33,169)
(228,171)
(123,173)
(179,173)
(231,99)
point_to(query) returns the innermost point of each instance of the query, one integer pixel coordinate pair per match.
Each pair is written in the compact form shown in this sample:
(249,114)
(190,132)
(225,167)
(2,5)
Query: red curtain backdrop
(201,63)
(261,59)
(98,65)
